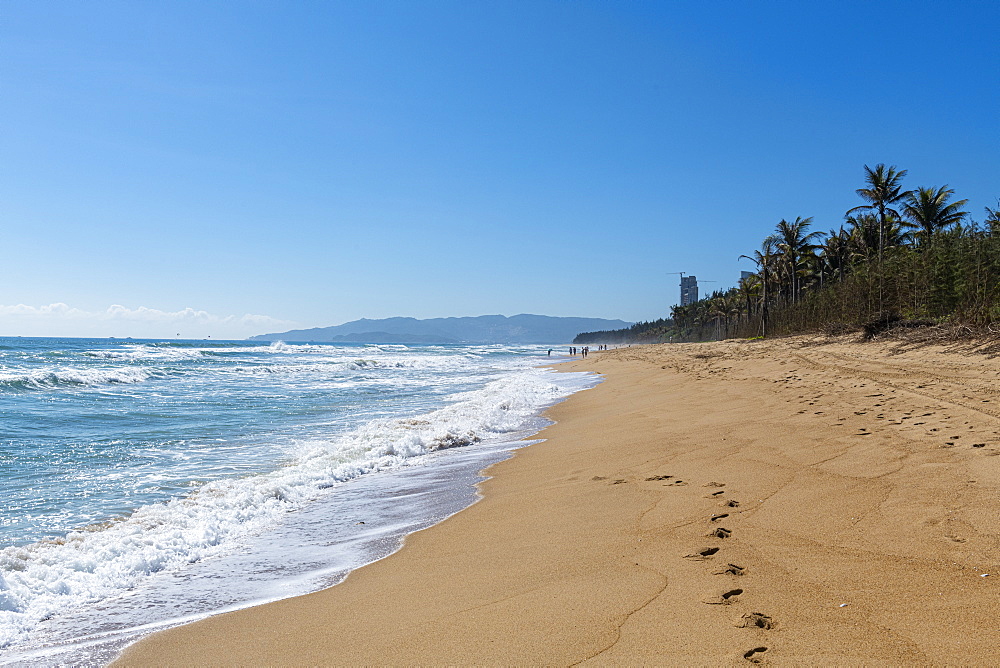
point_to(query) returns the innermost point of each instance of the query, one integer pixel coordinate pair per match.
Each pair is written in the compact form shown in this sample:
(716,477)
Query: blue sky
(229,168)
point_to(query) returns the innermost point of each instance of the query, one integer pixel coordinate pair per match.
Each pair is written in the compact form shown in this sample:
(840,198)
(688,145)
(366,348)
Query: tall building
(689,290)
(744,275)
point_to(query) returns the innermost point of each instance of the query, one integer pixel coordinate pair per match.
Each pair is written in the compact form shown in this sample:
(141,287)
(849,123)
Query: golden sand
(786,502)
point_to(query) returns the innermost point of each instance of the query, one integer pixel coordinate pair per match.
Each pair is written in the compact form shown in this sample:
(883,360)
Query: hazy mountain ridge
(523,328)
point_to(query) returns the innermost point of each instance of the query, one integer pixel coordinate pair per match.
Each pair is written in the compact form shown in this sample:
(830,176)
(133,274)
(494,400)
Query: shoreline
(704,502)
(439,489)
(326,504)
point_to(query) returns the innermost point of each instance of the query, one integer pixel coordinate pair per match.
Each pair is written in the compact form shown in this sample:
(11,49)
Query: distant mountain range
(524,328)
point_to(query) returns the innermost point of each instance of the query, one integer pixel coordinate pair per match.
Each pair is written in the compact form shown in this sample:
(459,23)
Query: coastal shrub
(880,324)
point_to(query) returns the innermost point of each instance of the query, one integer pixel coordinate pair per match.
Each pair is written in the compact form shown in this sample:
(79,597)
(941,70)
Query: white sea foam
(350,363)
(282,348)
(144,352)
(141,353)
(43,579)
(53,377)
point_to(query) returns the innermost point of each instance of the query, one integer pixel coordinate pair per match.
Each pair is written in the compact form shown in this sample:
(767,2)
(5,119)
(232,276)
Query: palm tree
(749,290)
(884,190)
(681,315)
(863,231)
(765,260)
(929,211)
(795,245)
(837,252)
(734,311)
(717,311)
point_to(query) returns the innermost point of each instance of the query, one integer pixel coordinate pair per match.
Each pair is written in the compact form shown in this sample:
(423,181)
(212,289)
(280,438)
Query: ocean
(144,484)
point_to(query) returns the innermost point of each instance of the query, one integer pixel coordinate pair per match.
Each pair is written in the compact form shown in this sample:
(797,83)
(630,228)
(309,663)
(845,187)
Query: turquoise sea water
(147,482)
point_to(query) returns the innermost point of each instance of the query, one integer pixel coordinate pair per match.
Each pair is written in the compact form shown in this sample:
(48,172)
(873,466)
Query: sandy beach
(799,501)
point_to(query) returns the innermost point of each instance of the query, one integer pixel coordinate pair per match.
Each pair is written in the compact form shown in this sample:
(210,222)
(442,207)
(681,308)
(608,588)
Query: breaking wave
(46,379)
(42,579)
(148,353)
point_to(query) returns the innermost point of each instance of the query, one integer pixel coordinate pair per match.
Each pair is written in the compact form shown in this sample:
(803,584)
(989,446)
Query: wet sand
(782,502)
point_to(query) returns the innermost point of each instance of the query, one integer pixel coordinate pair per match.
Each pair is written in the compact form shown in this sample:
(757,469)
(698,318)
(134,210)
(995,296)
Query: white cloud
(143,322)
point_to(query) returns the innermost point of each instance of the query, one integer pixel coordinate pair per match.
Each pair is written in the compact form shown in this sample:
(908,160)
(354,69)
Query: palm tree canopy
(929,211)
(762,258)
(793,240)
(864,238)
(836,250)
(884,189)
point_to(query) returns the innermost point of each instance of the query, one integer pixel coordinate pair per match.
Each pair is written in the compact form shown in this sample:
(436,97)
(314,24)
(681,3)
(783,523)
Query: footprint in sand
(731,569)
(725,598)
(702,554)
(716,518)
(755,655)
(714,484)
(730,596)
(721,533)
(659,477)
(757,620)
(732,503)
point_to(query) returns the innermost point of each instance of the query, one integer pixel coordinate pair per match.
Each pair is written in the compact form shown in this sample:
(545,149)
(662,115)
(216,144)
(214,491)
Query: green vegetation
(903,257)
(640,332)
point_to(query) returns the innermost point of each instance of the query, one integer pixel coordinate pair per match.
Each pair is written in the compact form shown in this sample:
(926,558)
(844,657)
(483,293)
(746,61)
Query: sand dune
(780,502)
